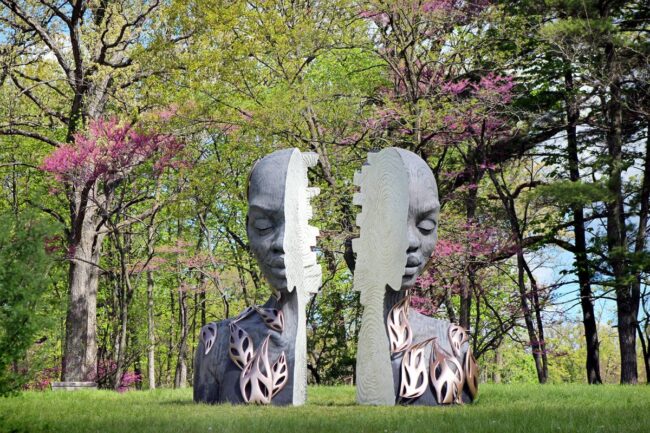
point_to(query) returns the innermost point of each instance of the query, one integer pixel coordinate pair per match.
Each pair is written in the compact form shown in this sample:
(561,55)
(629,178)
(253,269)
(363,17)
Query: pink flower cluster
(109,150)
(44,378)
(106,368)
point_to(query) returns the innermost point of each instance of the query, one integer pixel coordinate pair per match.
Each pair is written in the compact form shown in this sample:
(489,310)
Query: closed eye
(263,226)
(427,226)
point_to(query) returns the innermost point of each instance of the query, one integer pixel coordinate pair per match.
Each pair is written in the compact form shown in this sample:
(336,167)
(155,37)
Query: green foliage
(566,193)
(24,278)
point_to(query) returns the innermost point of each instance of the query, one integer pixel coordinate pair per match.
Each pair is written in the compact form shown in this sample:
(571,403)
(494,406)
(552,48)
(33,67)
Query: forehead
(267,182)
(423,191)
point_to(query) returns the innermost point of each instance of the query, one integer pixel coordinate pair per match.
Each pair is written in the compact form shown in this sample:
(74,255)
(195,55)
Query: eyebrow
(256,207)
(430,208)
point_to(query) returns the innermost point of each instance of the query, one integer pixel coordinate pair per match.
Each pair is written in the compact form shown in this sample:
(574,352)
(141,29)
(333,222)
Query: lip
(280,269)
(409,271)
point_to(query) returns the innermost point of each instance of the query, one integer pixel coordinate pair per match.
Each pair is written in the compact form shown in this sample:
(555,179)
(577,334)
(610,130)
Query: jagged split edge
(303,272)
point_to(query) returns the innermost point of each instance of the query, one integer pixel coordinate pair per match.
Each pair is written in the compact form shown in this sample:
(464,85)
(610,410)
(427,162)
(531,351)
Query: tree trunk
(151,332)
(535,335)
(627,300)
(541,345)
(498,363)
(470,283)
(180,377)
(639,248)
(581,261)
(535,342)
(645,351)
(80,360)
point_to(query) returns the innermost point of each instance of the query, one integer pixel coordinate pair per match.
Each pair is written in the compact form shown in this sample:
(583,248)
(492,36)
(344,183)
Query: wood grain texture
(303,272)
(381,258)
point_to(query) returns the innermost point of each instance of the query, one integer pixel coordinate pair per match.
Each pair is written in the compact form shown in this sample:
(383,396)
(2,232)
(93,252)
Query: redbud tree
(110,154)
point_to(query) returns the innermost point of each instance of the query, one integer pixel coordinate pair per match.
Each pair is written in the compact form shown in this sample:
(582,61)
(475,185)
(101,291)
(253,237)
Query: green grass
(501,408)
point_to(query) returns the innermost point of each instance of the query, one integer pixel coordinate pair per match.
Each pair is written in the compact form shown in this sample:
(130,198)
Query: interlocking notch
(303,271)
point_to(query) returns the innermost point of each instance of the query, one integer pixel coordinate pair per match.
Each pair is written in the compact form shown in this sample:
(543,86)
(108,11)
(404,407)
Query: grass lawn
(501,408)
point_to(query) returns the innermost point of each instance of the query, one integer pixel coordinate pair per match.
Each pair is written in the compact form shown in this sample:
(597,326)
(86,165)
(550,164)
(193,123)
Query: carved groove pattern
(414,379)
(209,335)
(280,374)
(302,269)
(400,334)
(256,380)
(241,346)
(273,318)
(457,336)
(381,258)
(446,376)
(471,374)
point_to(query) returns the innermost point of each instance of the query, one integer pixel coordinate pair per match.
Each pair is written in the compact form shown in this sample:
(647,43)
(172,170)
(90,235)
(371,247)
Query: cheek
(429,243)
(257,243)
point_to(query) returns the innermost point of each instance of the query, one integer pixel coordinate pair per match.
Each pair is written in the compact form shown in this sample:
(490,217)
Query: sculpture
(260,355)
(403,356)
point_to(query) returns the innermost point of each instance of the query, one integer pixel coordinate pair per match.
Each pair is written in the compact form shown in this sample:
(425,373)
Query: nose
(277,246)
(414,242)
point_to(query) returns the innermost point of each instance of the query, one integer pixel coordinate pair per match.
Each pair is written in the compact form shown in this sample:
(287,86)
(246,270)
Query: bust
(260,355)
(403,356)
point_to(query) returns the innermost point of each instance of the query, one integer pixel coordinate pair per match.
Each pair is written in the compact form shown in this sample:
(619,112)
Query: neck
(392,297)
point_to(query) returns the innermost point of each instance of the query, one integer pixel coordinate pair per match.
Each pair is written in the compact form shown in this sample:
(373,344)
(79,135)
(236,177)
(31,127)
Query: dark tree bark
(581,260)
(627,295)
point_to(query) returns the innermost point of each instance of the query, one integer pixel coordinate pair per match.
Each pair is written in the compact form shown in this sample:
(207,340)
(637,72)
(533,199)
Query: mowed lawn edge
(500,408)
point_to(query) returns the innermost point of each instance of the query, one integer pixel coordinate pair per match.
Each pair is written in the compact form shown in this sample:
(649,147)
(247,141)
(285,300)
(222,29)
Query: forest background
(128,129)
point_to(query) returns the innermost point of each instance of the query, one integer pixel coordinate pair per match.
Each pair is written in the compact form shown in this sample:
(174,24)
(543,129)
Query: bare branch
(30,134)
(45,36)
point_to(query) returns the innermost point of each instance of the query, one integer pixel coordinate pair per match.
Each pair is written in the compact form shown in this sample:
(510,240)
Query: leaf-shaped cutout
(457,336)
(272,318)
(256,379)
(280,373)
(413,379)
(241,346)
(471,374)
(400,334)
(446,376)
(208,336)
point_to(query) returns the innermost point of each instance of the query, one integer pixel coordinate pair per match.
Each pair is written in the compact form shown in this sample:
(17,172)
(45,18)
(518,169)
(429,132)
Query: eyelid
(262,224)
(427,224)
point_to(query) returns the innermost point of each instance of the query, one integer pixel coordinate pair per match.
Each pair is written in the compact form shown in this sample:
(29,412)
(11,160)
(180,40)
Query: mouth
(412,267)
(279,271)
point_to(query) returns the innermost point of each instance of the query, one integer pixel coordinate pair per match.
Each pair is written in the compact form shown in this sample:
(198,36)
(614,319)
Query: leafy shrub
(24,266)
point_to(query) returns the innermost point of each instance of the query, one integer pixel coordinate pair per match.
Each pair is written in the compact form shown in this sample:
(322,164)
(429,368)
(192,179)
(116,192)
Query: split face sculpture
(260,355)
(403,356)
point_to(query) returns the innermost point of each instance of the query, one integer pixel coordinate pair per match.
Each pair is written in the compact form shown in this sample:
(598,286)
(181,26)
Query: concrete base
(72,386)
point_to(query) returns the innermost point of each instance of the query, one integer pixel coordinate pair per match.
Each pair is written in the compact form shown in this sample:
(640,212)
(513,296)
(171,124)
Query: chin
(278,284)
(408,281)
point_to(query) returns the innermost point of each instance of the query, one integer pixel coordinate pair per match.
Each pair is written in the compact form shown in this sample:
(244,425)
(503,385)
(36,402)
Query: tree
(72,60)
(91,170)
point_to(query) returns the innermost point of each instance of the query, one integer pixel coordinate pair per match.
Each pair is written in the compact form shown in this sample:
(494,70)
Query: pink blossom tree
(89,171)
(441,103)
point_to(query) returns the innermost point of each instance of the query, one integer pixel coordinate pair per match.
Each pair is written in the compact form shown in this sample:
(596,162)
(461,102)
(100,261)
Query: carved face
(424,210)
(266,223)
